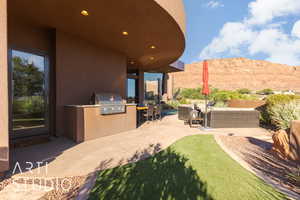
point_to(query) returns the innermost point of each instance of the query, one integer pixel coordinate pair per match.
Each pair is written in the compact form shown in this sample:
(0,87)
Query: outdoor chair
(195,116)
(183,112)
(157,111)
(189,115)
(149,113)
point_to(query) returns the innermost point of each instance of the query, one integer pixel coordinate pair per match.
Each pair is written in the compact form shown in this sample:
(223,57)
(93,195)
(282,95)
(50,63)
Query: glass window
(131,90)
(153,87)
(29,92)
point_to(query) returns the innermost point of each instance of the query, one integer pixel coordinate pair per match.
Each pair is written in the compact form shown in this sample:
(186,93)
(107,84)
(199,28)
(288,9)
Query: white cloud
(263,11)
(296,29)
(276,25)
(214,4)
(279,47)
(268,41)
(231,37)
(260,34)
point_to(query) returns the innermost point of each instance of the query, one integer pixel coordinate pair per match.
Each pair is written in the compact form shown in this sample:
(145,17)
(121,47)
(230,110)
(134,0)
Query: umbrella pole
(205,115)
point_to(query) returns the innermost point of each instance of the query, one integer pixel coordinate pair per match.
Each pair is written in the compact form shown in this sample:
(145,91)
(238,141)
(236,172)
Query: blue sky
(256,29)
(38,61)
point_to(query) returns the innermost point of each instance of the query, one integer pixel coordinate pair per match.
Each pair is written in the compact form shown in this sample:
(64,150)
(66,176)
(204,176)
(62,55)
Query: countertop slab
(93,106)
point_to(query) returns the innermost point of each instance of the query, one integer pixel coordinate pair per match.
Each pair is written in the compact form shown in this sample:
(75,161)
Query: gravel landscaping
(256,153)
(73,184)
(4,182)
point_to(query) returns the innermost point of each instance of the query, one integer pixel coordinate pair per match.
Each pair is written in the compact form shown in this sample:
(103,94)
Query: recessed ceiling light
(151,58)
(152,47)
(124,33)
(84,13)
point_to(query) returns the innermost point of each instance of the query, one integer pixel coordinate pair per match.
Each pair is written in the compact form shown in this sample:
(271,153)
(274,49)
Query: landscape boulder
(294,140)
(281,144)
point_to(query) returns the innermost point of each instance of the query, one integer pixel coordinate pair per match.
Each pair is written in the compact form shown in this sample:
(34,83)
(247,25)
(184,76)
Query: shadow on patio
(165,176)
(38,155)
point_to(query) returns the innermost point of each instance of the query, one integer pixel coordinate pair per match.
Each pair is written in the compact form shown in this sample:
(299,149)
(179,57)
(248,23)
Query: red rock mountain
(235,73)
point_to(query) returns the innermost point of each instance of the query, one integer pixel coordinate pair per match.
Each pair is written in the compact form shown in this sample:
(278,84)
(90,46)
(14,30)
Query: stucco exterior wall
(27,37)
(81,69)
(4,150)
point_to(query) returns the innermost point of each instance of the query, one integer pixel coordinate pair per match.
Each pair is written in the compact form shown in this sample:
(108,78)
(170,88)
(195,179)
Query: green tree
(28,79)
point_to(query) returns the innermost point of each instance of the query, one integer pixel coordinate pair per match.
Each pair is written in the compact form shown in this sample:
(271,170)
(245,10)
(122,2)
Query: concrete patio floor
(65,158)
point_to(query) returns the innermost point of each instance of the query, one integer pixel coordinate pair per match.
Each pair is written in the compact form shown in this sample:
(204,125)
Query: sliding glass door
(29,94)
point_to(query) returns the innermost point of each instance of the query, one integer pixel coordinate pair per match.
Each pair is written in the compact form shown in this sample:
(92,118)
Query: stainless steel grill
(109,103)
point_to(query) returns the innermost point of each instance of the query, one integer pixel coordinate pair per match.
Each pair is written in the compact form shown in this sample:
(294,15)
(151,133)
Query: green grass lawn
(193,168)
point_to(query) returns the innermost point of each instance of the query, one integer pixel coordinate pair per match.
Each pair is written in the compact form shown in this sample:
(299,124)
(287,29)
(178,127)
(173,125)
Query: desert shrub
(264,116)
(176,93)
(280,99)
(267,91)
(195,93)
(213,91)
(271,100)
(244,91)
(172,104)
(215,95)
(225,96)
(220,104)
(183,101)
(282,114)
(249,97)
(192,93)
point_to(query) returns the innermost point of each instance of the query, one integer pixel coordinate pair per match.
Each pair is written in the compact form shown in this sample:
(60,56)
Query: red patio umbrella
(205,88)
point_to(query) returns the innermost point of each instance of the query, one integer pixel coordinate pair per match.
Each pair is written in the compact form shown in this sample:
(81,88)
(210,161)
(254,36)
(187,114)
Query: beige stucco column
(4,149)
(170,86)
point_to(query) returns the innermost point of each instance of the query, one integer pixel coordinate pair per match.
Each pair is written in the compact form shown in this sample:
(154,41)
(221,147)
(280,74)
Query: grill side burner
(109,103)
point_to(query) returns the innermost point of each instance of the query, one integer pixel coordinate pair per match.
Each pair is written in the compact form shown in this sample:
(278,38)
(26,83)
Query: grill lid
(108,98)
(110,103)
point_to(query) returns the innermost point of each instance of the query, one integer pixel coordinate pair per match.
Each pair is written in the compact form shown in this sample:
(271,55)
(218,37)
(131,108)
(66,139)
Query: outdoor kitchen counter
(92,106)
(85,122)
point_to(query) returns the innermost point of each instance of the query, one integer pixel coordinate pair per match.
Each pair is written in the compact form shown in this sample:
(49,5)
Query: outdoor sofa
(233,118)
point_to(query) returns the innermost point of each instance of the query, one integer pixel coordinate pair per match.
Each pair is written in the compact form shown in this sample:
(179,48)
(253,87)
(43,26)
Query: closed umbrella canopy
(205,88)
